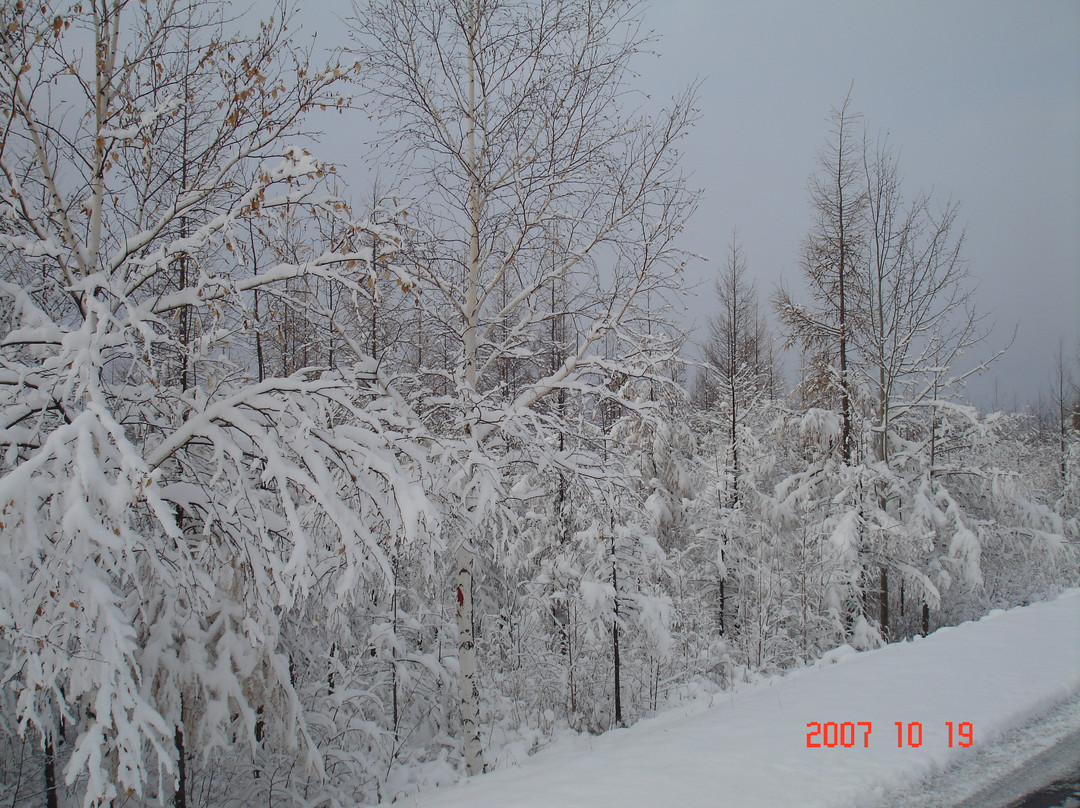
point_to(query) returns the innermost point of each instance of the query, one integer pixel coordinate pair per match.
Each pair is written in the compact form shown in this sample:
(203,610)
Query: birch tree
(917,315)
(164,502)
(543,199)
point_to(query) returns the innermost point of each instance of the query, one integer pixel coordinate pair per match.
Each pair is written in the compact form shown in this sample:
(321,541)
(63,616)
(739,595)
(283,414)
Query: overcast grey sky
(981,97)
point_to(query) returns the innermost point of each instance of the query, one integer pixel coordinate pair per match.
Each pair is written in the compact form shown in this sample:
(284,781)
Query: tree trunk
(845,400)
(396,708)
(722,601)
(615,634)
(883,615)
(180,798)
(470,695)
(733,437)
(50,773)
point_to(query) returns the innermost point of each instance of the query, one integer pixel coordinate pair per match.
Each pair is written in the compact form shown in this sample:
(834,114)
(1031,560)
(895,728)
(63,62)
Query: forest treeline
(311,502)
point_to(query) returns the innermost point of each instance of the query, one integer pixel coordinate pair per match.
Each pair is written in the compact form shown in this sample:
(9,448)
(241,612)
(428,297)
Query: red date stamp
(850,734)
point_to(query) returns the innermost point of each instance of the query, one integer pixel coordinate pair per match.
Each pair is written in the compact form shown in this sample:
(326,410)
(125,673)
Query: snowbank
(749,748)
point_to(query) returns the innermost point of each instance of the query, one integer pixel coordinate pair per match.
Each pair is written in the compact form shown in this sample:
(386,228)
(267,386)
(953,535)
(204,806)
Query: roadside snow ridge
(749,748)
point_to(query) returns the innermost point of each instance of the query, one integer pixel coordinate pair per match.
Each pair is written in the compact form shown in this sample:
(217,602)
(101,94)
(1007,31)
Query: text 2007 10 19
(851,734)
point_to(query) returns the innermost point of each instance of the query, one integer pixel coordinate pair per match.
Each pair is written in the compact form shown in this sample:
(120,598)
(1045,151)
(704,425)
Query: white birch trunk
(470,694)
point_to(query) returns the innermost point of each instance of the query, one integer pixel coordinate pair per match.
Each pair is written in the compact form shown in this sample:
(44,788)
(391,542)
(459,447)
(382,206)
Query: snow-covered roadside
(750,747)
(996,774)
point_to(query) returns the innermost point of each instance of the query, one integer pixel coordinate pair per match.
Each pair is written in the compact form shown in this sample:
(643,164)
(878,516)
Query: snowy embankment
(749,748)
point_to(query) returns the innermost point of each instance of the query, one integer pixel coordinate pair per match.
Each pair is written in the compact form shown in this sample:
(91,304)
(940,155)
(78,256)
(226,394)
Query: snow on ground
(995,775)
(749,748)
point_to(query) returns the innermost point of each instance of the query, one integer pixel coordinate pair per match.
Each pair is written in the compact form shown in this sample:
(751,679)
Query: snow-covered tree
(167,497)
(738,353)
(891,314)
(538,188)
(833,253)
